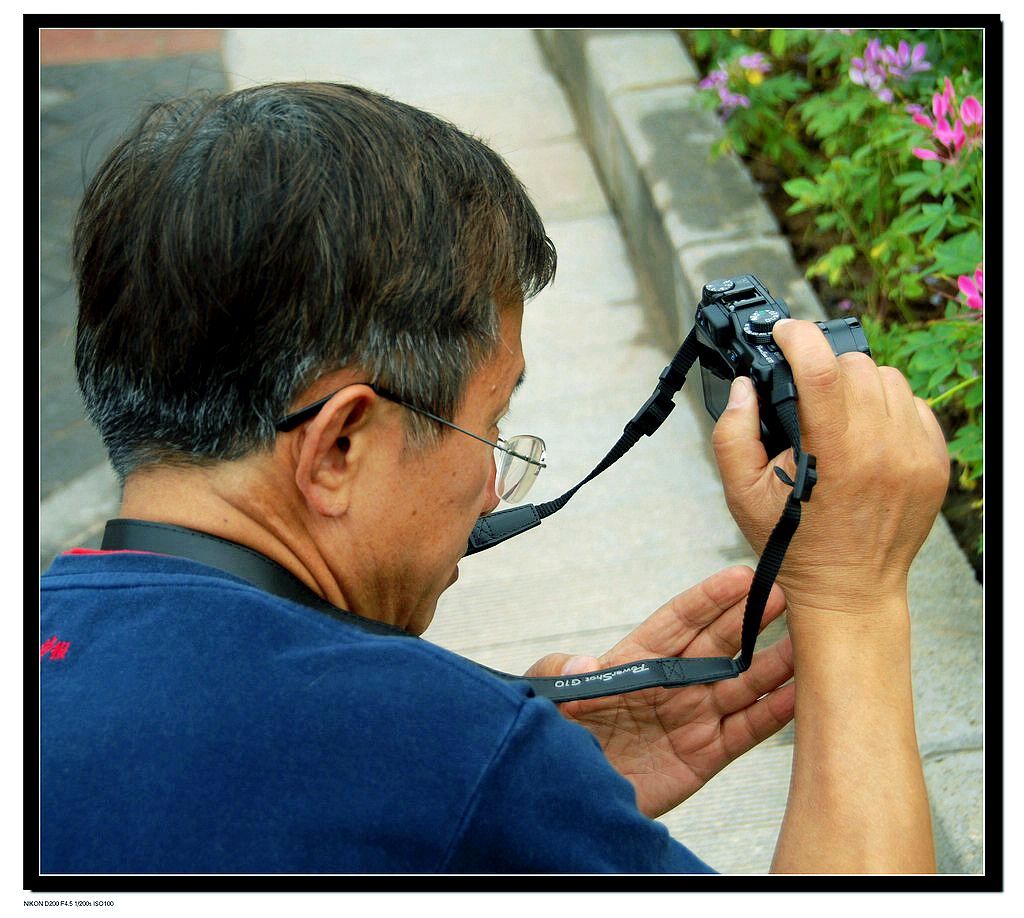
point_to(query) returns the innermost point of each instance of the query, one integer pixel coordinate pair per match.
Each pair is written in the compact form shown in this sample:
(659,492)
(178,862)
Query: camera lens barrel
(845,335)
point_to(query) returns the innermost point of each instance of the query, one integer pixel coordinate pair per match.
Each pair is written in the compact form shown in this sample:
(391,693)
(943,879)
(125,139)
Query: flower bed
(869,147)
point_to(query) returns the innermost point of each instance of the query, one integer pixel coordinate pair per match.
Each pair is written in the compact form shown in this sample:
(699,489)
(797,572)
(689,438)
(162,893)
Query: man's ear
(330,448)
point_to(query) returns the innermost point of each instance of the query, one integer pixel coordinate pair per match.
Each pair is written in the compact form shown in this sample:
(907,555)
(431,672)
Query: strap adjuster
(653,413)
(806,477)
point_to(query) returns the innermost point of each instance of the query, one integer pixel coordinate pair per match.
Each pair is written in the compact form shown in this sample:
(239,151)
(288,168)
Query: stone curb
(686,220)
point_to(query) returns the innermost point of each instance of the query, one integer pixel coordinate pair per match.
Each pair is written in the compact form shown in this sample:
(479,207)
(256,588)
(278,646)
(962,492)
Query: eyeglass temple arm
(291,421)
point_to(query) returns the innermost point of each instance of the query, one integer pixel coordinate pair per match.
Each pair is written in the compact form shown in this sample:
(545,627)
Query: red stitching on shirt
(106,551)
(56,649)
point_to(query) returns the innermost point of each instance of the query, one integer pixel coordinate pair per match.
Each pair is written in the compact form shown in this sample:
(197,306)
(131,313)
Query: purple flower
(845,305)
(755,62)
(716,78)
(731,101)
(879,64)
(903,62)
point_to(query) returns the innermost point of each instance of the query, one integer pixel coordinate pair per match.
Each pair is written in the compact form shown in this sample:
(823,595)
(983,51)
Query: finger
(818,379)
(899,399)
(562,664)
(736,439)
(769,669)
(669,631)
(862,386)
(749,726)
(722,637)
(932,427)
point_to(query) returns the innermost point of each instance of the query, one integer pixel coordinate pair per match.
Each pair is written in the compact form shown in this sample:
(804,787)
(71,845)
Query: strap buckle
(806,477)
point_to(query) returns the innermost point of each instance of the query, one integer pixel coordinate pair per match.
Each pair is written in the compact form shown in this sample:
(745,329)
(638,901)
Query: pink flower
(948,94)
(973,289)
(971,111)
(965,130)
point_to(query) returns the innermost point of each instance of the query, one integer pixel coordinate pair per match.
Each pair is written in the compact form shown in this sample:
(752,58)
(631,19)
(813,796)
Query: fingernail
(739,392)
(781,322)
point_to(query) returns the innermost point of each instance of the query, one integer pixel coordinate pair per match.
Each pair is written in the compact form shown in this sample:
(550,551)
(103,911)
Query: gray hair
(234,248)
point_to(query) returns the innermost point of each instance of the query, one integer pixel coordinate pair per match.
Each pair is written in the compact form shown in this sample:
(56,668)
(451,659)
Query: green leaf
(912,288)
(930,358)
(974,396)
(915,225)
(939,376)
(915,189)
(959,255)
(802,188)
(907,178)
(970,452)
(833,262)
(938,225)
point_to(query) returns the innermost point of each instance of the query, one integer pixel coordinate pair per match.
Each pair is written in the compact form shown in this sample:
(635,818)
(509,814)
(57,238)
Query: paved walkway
(594,344)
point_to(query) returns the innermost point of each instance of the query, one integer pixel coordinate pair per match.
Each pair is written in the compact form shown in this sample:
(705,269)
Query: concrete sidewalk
(636,235)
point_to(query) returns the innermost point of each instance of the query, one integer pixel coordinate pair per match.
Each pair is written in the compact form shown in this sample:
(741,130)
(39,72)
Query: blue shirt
(191,723)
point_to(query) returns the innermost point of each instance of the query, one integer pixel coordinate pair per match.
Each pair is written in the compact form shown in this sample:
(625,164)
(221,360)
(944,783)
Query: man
(299,329)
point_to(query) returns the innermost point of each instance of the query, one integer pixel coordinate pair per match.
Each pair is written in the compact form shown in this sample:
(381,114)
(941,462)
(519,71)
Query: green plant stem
(945,396)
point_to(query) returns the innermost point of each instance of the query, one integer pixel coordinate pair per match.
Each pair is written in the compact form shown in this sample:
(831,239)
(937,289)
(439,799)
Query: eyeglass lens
(515,476)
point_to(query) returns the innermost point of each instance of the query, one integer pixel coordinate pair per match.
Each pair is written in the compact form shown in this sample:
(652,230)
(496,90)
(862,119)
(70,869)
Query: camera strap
(267,575)
(495,528)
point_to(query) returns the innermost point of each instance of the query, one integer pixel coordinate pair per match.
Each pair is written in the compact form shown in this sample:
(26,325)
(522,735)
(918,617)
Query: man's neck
(206,499)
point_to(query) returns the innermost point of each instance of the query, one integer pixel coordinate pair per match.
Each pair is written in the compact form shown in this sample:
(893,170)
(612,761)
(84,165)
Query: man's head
(241,255)
(235,248)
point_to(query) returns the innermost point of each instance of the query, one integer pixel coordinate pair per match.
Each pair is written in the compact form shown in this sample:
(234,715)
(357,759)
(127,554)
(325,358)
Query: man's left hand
(670,742)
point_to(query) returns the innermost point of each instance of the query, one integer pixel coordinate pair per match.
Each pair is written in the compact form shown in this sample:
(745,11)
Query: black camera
(734,338)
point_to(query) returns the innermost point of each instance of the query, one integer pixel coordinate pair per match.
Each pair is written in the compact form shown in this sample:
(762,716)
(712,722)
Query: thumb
(739,452)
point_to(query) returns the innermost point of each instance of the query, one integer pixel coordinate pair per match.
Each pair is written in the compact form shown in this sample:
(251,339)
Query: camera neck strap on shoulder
(668,672)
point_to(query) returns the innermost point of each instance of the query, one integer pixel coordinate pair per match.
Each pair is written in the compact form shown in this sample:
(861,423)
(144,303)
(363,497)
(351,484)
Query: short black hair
(234,247)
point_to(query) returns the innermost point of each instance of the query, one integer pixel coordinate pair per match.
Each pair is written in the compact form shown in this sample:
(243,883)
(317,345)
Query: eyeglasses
(518,459)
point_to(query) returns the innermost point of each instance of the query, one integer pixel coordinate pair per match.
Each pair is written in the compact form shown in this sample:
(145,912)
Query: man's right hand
(883,471)
(857,799)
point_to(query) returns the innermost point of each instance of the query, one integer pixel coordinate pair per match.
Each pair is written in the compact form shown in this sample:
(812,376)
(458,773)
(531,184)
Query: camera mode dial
(758,327)
(711,288)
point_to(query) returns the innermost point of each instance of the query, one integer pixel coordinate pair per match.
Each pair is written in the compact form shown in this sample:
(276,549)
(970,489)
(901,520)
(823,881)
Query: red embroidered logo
(56,649)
